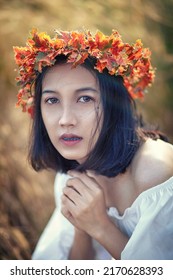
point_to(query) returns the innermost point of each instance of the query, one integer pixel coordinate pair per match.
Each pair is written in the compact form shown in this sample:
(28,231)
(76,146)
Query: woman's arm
(82,248)
(111,238)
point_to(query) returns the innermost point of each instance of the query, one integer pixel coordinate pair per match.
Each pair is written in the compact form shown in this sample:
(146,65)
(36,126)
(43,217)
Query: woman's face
(71,107)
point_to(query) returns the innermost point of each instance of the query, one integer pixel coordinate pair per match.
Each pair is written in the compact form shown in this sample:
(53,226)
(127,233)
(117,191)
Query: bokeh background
(26,198)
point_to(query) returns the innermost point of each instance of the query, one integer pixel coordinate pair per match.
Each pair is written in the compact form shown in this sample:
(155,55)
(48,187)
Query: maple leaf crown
(132,62)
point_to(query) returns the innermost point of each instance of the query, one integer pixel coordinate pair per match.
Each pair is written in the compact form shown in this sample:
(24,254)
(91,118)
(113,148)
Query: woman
(114,186)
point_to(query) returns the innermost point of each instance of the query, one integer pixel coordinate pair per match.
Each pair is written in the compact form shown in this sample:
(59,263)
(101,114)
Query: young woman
(114,183)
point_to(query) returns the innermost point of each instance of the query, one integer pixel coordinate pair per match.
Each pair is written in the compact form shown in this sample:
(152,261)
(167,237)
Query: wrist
(82,234)
(106,232)
(99,229)
(82,248)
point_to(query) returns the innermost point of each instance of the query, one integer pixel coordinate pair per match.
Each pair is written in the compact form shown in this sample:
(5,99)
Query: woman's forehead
(64,75)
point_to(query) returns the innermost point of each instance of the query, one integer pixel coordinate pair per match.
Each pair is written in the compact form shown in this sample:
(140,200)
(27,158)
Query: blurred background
(26,198)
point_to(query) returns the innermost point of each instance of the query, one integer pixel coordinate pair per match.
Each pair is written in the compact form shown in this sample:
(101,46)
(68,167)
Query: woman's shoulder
(152,164)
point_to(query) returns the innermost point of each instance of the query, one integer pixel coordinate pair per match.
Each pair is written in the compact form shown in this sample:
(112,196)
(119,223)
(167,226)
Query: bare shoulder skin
(152,165)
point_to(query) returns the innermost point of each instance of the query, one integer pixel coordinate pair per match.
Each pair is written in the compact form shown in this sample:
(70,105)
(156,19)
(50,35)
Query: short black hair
(118,140)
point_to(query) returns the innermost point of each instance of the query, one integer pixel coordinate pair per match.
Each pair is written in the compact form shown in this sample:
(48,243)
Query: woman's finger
(78,185)
(88,181)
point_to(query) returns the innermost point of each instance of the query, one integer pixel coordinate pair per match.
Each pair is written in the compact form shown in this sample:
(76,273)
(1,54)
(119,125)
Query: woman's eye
(52,100)
(85,99)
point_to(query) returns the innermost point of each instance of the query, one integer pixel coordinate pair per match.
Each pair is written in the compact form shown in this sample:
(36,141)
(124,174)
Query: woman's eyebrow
(86,89)
(48,91)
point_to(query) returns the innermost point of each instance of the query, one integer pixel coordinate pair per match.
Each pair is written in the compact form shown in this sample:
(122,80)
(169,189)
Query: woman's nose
(67,117)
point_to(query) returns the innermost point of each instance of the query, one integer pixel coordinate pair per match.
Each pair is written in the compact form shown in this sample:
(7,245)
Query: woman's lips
(70,139)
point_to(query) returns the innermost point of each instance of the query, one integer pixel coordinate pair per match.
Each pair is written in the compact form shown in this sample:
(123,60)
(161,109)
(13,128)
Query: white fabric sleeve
(152,238)
(57,238)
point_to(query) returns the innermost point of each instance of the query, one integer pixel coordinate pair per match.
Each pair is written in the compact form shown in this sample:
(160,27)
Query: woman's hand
(83,203)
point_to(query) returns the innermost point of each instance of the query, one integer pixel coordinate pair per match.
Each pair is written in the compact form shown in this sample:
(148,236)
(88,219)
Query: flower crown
(132,62)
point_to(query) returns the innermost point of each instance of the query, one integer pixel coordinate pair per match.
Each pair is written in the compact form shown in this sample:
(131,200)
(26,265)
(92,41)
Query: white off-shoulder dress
(148,223)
